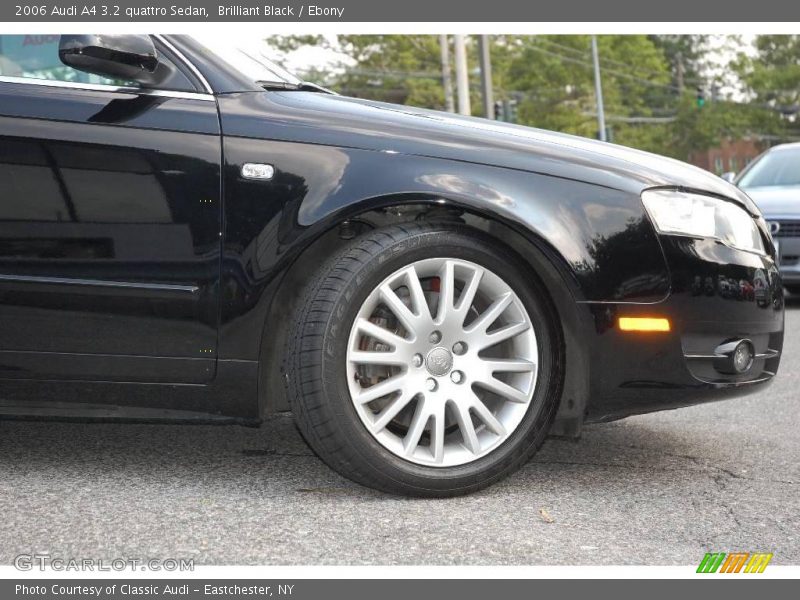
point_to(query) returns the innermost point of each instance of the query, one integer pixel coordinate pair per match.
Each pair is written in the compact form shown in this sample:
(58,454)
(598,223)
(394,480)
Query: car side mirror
(128,57)
(729,176)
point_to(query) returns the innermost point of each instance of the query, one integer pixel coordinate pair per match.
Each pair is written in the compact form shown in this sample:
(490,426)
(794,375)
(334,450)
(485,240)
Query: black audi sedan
(188,232)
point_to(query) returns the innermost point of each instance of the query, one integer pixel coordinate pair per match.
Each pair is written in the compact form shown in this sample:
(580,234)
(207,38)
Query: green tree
(289,43)
(553,76)
(396,68)
(404,69)
(772,76)
(687,56)
(550,77)
(701,128)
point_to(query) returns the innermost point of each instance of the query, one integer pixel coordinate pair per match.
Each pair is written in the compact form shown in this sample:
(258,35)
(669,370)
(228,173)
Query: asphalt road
(657,489)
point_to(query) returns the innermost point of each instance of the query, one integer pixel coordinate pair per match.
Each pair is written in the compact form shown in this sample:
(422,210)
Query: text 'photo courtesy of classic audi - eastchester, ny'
(188,232)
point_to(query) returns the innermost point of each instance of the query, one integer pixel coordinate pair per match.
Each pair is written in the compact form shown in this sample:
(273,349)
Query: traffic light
(498,110)
(701,97)
(512,111)
(505,110)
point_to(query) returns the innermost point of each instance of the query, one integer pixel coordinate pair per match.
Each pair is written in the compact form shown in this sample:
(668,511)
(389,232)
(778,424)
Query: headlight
(701,216)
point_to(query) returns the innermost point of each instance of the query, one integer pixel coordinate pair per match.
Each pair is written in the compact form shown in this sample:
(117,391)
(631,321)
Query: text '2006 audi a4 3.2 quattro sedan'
(189,232)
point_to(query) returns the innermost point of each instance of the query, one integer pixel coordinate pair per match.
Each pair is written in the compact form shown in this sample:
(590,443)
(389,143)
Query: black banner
(397,589)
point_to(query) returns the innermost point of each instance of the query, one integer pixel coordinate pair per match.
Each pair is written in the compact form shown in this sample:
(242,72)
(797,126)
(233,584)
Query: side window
(36,57)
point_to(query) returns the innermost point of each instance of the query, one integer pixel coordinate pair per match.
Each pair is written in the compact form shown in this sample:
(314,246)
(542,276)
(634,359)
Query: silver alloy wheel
(442,362)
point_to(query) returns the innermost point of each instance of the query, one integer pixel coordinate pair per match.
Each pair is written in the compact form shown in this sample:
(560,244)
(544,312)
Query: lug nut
(417,360)
(459,348)
(431,384)
(435,337)
(457,376)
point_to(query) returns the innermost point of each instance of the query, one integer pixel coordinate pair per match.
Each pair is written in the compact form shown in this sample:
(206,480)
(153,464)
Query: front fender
(588,243)
(600,238)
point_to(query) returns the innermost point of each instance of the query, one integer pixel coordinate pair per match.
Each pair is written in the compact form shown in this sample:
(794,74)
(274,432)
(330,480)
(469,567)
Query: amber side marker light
(643,324)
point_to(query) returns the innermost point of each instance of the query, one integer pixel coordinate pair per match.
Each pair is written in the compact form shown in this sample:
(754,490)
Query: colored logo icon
(734,562)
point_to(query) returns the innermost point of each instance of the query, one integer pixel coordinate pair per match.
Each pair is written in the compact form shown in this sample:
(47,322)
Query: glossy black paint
(571,208)
(109,235)
(129,57)
(718,294)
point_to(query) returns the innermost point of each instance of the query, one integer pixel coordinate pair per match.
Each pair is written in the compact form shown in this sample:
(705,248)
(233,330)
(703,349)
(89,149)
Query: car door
(109,222)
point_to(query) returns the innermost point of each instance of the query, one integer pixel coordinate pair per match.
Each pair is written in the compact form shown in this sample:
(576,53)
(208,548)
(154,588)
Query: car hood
(777,201)
(339,120)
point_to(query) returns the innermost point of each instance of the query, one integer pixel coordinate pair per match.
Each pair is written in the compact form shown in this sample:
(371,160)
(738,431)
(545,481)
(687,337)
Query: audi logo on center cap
(439,361)
(774,227)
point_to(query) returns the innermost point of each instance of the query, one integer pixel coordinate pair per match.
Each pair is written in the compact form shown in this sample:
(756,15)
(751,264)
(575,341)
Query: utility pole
(598,91)
(462,77)
(486,77)
(447,81)
(679,75)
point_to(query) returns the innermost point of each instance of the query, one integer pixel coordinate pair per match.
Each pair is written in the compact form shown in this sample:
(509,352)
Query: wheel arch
(543,259)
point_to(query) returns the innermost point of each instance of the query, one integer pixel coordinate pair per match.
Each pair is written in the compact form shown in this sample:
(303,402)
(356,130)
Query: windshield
(776,168)
(249,57)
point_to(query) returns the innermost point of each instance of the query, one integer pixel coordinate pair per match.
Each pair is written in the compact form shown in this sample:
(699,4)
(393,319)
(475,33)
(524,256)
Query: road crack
(699,461)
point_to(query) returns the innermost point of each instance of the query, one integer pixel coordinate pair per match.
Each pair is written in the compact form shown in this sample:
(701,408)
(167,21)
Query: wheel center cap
(439,361)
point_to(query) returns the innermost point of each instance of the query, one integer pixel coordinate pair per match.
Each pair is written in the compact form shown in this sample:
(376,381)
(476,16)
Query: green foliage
(556,75)
(404,69)
(701,128)
(649,83)
(290,43)
(686,50)
(773,75)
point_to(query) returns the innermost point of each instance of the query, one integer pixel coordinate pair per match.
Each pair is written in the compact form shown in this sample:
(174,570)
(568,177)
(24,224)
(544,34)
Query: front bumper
(717,294)
(789,259)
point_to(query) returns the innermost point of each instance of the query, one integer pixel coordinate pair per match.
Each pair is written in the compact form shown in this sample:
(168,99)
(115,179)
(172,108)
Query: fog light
(735,357)
(742,357)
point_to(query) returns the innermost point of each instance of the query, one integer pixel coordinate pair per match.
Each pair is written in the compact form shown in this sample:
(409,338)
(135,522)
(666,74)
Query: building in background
(730,155)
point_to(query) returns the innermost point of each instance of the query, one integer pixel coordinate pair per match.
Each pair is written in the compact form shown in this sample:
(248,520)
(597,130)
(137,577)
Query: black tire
(316,370)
